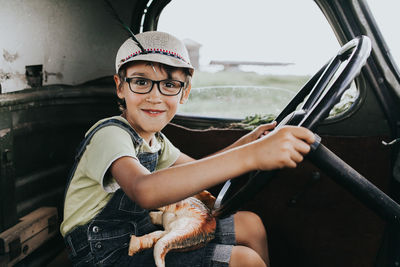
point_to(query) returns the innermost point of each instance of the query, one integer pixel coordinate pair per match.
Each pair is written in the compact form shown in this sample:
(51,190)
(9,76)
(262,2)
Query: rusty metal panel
(8,214)
(39,132)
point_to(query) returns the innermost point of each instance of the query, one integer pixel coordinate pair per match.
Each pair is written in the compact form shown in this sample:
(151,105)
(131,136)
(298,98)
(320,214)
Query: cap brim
(164,59)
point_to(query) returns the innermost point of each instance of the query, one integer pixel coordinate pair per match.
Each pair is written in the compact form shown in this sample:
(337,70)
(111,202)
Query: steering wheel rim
(324,90)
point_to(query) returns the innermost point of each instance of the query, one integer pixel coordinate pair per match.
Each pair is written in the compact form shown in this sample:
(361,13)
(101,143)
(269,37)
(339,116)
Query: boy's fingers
(297,157)
(269,126)
(304,134)
(291,164)
(302,147)
(266,127)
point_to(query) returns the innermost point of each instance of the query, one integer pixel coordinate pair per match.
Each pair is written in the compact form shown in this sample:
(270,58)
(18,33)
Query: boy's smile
(153,112)
(150,112)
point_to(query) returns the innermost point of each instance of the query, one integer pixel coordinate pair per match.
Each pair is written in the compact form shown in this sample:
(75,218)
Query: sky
(282,31)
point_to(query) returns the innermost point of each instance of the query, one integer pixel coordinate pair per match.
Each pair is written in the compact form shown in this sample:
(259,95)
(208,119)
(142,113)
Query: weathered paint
(75,41)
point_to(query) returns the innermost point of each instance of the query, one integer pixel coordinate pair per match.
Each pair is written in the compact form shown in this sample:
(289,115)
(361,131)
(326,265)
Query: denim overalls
(105,239)
(119,219)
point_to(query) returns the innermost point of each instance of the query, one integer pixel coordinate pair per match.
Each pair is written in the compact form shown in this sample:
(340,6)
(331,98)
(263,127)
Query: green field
(240,94)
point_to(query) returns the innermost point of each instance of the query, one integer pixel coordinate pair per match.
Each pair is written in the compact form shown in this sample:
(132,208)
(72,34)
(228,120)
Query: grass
(240,94)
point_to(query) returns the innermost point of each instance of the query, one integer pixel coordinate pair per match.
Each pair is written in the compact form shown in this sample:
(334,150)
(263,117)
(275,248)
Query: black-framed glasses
(140,85)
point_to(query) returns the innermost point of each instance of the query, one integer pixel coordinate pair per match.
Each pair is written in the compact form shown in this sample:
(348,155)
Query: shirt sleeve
(169,153)
(107,145)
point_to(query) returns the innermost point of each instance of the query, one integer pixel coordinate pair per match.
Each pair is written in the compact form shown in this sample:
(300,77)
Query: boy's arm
(284,147)
(183,158)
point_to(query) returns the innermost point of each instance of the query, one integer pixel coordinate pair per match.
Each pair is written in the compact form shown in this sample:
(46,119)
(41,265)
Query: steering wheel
(324,90)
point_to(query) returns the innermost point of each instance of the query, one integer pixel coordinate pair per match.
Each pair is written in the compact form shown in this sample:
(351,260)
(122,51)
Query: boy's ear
(185,94)
(117,85)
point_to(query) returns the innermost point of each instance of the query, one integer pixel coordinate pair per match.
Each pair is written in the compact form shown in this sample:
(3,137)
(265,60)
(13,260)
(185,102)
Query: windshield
(385,12)
(250,59)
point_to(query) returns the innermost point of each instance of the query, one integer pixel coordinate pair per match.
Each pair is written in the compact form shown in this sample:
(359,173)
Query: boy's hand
(255,134)
(285,147)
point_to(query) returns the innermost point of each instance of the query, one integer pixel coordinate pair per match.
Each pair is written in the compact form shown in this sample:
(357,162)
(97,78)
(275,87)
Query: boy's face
(151,112)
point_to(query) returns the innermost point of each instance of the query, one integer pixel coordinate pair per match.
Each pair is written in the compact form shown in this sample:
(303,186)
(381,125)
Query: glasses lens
(140,85)
(170,87)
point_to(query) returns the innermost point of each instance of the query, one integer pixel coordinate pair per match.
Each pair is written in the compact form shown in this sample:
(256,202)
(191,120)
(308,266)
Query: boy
(126,167)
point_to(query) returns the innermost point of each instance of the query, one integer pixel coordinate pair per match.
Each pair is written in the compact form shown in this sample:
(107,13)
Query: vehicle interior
(337,208)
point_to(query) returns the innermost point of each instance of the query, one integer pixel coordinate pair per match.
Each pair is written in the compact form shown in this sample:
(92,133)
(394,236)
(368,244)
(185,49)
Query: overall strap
(136,139)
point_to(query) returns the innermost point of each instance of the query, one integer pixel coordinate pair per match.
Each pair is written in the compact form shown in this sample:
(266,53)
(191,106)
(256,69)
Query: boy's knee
(248,226)
(244,256)
(249,217)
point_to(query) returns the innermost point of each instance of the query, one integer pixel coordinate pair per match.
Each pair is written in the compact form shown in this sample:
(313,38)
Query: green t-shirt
(92,186)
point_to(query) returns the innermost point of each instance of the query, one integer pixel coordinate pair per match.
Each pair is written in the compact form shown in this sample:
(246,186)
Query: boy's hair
(168,69)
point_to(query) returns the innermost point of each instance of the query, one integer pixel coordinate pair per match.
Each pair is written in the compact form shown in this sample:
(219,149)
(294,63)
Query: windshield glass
(385,12)
(250,59)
